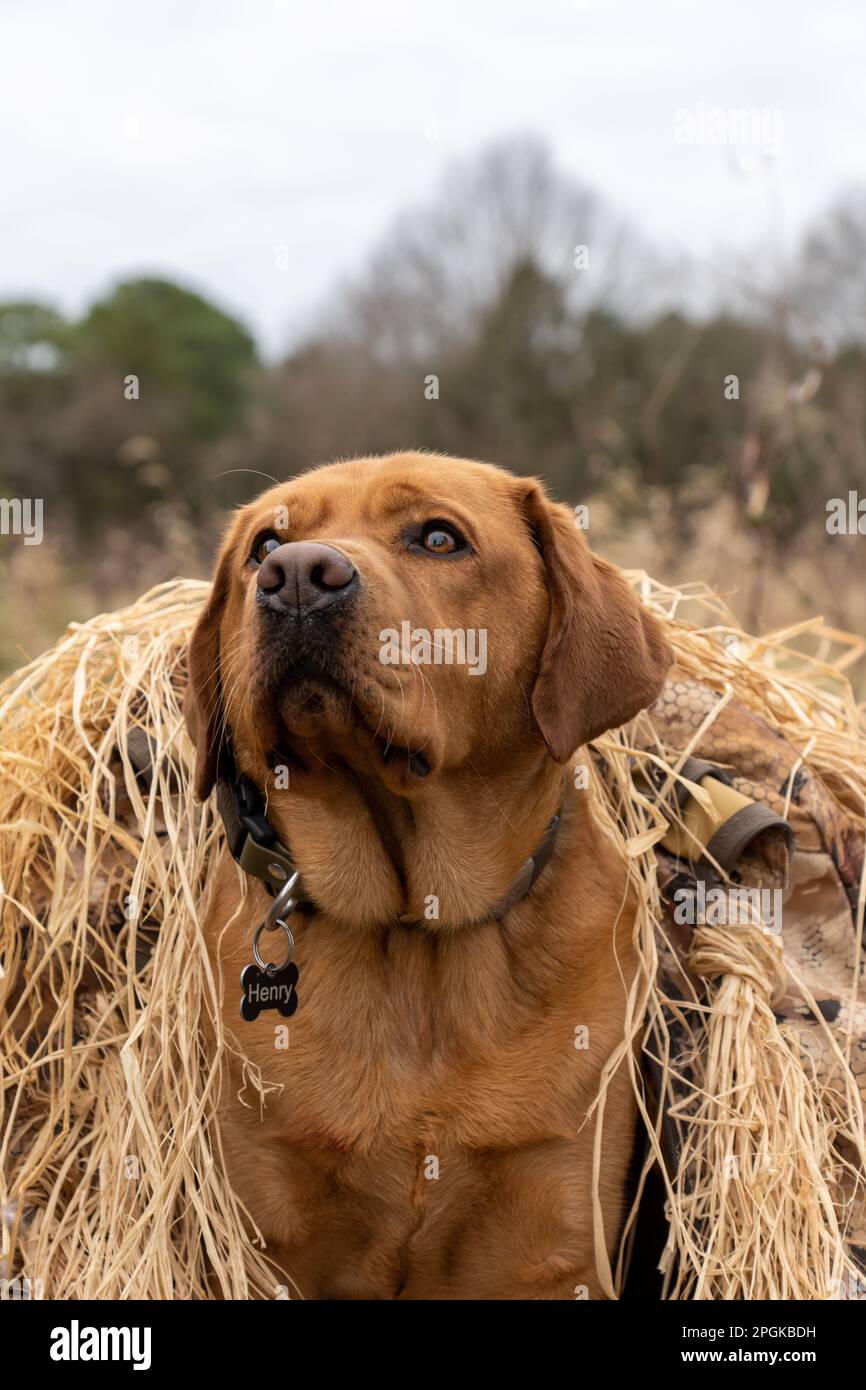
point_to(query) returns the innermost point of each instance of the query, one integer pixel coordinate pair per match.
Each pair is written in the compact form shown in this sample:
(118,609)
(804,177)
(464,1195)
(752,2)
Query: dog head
(407,616)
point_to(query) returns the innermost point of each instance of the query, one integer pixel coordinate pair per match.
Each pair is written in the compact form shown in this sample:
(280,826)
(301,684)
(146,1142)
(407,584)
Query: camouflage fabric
(821,882)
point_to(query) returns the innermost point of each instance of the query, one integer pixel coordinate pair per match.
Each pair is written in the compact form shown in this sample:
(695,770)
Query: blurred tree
(445,263)
(685,422)
(34,339)
(556,351)
(130,450)
(102,453)
(178,345)
(512,386)
(829,291)
(35,389)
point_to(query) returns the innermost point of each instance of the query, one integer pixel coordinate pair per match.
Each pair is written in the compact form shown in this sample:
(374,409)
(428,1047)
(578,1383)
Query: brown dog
(430,1139)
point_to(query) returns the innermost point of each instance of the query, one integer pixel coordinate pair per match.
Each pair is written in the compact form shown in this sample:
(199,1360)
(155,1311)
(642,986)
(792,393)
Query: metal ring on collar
(268,966)
(284,904)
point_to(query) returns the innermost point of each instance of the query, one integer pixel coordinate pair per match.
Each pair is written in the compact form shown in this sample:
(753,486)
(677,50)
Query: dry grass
(110,1156)
(110,1036)
(772,1160)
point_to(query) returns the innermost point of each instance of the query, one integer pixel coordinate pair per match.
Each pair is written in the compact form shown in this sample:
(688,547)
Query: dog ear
(202,706)
(605,656)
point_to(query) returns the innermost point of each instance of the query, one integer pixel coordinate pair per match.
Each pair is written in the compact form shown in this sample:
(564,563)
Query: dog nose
(302,577)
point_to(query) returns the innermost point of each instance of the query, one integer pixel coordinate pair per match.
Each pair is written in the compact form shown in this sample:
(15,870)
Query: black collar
(255,846)
(251,838)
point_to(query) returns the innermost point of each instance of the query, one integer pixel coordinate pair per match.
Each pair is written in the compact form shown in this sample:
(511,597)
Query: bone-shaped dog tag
(263,990)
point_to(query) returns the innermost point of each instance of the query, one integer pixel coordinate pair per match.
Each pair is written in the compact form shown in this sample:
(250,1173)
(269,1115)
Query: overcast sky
(192,138)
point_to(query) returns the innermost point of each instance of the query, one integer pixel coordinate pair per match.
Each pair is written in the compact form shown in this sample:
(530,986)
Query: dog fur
(432,1137)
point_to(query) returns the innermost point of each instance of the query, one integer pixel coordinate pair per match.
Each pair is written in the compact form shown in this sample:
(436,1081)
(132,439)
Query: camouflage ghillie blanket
(753,1040)
(812,887)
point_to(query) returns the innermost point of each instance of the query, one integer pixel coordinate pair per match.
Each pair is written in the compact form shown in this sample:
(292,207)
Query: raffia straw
(755,1202)
(111,1177)
(110,1172)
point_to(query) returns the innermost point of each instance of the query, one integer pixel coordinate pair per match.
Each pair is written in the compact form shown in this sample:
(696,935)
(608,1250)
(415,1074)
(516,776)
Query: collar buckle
(251,838)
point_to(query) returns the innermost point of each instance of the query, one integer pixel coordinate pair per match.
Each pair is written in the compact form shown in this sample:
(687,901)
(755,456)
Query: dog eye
(439,540)
(263,545)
